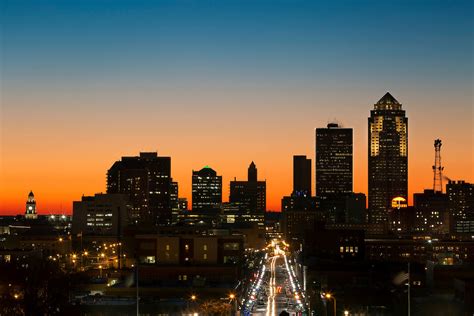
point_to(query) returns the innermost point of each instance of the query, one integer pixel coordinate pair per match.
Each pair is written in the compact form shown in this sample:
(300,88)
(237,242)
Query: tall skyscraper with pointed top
(388,156)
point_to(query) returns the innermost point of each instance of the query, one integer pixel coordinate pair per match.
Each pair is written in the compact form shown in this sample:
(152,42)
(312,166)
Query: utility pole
(136,283)
(409,286)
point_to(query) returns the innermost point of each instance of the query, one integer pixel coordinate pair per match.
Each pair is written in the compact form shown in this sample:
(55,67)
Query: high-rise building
(333,160)
(300,209)
(461,206)
(206,190)
(30,212)
(301,175)
(249,195)
(146,179)
(388,157)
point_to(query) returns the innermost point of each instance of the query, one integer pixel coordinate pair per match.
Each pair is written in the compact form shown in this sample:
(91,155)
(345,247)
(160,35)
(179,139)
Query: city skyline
(227,179)
(269,76)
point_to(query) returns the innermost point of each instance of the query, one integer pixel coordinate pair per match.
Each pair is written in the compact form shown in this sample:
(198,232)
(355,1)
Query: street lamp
(233,297)
(193,299)
(330,296)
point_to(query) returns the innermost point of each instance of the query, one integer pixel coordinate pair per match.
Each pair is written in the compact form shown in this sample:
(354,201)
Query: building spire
(252,173)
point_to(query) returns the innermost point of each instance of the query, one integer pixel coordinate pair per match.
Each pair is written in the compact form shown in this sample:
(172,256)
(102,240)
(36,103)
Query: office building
(302,175)
(249,195)
(300,209)
(355,208)
(146,179)
(206,190)
(189,259)
(333,160)
(461,206)
(388,157)
(100,215)
(431,212)
(174,202)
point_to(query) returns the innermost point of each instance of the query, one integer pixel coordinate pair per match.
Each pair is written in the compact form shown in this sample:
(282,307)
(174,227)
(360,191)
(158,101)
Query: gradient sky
(222,83)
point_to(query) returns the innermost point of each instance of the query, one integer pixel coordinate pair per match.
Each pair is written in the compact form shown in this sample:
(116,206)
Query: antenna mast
(437,168)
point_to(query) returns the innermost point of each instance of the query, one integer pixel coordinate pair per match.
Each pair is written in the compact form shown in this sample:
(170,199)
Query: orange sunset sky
(62,157)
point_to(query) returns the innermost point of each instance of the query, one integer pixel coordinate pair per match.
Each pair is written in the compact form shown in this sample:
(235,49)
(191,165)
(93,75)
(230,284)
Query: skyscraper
(206,189)
(300,209)
(301,175)
(333,160)
(146,179)
(249,195)
(388,156)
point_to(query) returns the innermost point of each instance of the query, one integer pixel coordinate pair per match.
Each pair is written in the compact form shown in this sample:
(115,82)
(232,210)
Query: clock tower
(30,212)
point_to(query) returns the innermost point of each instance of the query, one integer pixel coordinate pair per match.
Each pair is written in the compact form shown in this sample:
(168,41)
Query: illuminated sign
(399,202)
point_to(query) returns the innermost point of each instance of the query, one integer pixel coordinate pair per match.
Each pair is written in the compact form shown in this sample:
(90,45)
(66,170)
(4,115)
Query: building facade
(206,190)
(333,160)
(388,157)
(174,202)
(30,212)
(250,195)
(431,208)
(302,175)
(100,215)
(146,179)
(461,206)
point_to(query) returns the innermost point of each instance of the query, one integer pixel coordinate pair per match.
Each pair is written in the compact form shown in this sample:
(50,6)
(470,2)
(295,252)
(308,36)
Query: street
(275,289)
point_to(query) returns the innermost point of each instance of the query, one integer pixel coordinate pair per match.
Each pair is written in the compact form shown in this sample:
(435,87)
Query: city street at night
(275,288)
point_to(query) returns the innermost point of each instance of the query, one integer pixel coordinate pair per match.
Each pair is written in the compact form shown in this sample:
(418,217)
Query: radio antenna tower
(437,168)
